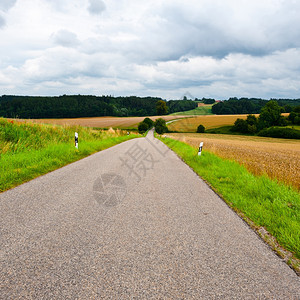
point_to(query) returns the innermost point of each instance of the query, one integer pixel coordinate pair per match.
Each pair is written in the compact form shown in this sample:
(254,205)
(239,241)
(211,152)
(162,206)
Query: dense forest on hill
(235,106)
(72,106)
(75,106)
(180,105)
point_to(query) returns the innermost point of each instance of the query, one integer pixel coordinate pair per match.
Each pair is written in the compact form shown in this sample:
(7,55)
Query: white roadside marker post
(200,149)
(76,140)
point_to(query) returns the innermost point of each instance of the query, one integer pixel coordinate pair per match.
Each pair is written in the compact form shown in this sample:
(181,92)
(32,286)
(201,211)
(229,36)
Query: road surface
(131,222)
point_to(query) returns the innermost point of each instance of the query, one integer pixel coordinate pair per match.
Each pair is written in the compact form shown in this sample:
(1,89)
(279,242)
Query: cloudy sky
(165,48)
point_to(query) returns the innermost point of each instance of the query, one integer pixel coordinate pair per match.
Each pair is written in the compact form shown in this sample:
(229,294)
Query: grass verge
(30,150)
(262,202)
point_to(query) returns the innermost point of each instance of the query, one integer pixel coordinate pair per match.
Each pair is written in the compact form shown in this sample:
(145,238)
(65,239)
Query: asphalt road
(131,222)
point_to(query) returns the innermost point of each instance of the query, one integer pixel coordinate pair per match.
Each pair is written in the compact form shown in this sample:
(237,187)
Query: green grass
(30,150)
(226,130)
(297,127)
(202,110)
(267,203)
(221,130)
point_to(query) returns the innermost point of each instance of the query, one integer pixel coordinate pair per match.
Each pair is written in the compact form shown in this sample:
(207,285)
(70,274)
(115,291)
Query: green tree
(143,127)
(297,120)
(294,116)
(208,101)
(283,121)
(296,109)
(160,126)
(252,129)
(149,122)
(251,120)
(124,112)
(270,115)
(288,108)
(161,107)
(200,129)
(240,125)
(252,123)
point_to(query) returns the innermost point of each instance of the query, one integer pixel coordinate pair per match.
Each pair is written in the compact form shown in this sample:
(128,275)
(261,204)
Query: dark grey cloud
(214,30)
(188,83)
(96,7)
(7,4)
(65,38)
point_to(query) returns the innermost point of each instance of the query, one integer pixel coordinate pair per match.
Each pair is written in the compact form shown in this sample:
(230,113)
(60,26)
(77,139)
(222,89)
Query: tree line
(74,106)
(270,122)
(235,106)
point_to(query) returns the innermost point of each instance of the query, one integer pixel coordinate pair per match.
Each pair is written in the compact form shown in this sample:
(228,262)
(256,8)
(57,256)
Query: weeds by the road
(29,150)
(267,203)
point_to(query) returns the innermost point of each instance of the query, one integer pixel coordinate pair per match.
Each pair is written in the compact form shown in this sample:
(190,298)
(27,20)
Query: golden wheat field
(278,158)
(209,122)
(102,122)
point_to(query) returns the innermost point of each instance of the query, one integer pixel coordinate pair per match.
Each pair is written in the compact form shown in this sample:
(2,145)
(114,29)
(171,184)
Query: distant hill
(201,110)
(75,106)
(235,106)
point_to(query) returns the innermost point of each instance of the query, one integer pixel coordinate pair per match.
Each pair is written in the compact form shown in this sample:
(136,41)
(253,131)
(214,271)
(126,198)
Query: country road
(131,222)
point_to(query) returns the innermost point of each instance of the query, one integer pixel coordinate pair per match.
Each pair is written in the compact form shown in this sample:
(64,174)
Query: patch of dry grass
(277,158)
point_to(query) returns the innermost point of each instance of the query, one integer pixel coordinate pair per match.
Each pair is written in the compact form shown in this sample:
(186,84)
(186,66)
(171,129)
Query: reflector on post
(200,148)
(76,140)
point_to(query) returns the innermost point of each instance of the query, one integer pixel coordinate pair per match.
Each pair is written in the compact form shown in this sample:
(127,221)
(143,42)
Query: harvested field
(277,158)
(209,122)
(102,122)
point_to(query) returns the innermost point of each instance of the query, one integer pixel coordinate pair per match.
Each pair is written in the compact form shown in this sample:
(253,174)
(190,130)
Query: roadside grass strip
(267,203)
(30,150)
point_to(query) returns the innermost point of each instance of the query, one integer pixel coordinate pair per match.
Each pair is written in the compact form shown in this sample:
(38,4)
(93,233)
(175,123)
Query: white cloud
(96,7)
(163,48)
(2,21)
(65,38)
(7,4)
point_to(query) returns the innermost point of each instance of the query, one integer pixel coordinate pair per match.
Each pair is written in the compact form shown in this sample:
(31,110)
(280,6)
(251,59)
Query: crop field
(102,122)
(277,158)
(201,110)
(209,122)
